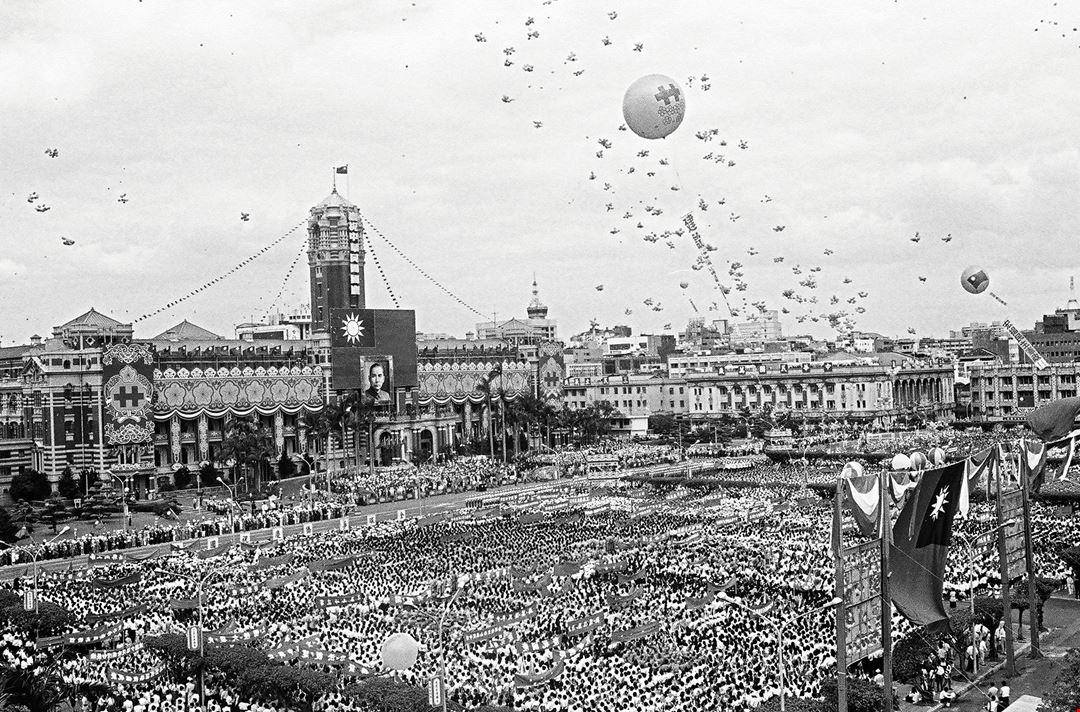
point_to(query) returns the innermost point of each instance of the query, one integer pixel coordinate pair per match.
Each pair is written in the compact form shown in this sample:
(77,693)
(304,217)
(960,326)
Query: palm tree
(324,423)
(246,441)
(360,418)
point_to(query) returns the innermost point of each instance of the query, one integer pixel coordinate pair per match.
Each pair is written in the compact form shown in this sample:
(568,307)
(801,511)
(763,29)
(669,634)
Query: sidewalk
(1033,677)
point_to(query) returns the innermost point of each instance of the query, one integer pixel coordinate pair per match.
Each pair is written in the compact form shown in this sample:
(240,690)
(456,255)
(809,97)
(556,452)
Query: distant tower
(335,259)
(536,310)
(1071,304)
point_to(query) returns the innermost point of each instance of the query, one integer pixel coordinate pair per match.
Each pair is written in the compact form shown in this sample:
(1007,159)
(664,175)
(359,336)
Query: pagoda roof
(186,331)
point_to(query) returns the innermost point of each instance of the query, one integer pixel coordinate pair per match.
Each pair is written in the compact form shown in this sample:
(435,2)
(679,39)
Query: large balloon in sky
(975,279)
(654,106)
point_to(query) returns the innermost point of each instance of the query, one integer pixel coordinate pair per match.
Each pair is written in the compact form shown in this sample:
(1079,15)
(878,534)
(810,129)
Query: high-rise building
(335,258)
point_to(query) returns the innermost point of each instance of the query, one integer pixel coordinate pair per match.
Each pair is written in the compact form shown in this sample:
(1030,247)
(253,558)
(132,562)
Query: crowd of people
(640,598)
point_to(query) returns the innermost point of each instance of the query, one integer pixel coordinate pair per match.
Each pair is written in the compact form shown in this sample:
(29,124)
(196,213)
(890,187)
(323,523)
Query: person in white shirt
(1005,692)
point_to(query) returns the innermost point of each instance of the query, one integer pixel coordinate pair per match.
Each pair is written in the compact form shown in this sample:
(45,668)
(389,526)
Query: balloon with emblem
(900,461)
(654,106)
(975,280)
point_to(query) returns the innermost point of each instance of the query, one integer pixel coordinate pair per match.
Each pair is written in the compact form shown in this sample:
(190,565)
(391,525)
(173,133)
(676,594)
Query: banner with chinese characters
(862,599)
(127,376)
(1012,508)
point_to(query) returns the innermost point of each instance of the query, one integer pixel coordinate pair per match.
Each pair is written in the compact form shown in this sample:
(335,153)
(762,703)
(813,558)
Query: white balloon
(900,461)
(399,651)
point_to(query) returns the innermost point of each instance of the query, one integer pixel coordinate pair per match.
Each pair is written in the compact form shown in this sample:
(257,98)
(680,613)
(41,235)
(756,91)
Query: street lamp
(232,494)
(200,583)
(969,548)
(123,494)
(778,629)
(34,554)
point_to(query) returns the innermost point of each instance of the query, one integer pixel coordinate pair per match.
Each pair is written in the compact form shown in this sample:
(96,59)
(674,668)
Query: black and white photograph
(539,355)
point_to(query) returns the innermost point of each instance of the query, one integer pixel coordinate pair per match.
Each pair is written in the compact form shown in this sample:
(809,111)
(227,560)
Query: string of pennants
(417,267)
(238,266)
(378,266)
(288,276)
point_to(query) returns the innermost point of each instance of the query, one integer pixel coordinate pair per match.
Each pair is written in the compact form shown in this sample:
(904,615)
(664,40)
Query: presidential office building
(53,394)
(875,390)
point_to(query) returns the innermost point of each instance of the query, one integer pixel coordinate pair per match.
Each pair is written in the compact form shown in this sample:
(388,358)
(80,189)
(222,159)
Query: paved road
(1062,618)
(359,517)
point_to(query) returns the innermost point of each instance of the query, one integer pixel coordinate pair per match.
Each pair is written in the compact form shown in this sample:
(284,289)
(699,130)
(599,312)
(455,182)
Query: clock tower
(335,259)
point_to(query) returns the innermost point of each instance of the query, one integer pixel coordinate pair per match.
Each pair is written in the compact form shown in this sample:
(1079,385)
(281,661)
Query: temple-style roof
(92,318)
(186,331)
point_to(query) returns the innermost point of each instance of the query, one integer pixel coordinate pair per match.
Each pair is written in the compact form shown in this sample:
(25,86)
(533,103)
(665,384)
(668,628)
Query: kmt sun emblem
(352,328)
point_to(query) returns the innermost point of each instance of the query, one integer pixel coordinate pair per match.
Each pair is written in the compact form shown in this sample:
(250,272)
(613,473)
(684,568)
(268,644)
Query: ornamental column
(203,439)
(174,438)
(279,432)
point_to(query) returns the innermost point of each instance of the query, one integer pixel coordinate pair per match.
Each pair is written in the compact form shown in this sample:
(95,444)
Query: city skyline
(896,122)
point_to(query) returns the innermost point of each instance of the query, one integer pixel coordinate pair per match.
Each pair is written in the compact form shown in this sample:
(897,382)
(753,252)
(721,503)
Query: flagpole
(1003,568)
(886,596)
(841,611)
(333,176)
(1029,556)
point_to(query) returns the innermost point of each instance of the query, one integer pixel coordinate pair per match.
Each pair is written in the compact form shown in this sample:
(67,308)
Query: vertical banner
(127,376)
(1012,508)
(550,370)
(862,599)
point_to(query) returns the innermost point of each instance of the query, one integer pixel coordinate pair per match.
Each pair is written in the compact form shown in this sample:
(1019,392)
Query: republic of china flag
(920,546)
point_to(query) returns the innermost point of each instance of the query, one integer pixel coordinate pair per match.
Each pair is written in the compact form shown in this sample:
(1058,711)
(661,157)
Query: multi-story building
(875,392)
(1057,335)
(294,325)
(634,397)
(1011,391)
(764,328)
(680,365)
(534,329)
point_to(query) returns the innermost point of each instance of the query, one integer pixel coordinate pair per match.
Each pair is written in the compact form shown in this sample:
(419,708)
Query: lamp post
(200,583)
(778,630)
(35,553)
(232,494)
(969,550)
(442,647)
(123,494)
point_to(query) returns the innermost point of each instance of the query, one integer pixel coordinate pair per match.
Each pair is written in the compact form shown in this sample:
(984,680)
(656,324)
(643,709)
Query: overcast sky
(864,123)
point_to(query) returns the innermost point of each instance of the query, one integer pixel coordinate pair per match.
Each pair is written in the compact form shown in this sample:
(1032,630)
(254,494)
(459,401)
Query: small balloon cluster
(918,461)
(386,282)
(212,282)
(417,267)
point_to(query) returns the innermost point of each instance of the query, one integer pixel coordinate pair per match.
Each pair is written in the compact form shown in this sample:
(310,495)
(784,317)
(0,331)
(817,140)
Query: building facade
(1011,391)
(877,393)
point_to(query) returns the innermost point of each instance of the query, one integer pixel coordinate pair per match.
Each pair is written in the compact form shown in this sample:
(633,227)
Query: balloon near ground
(654,106)
(900,461)
(399,651)
(975,280)
(917,461)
